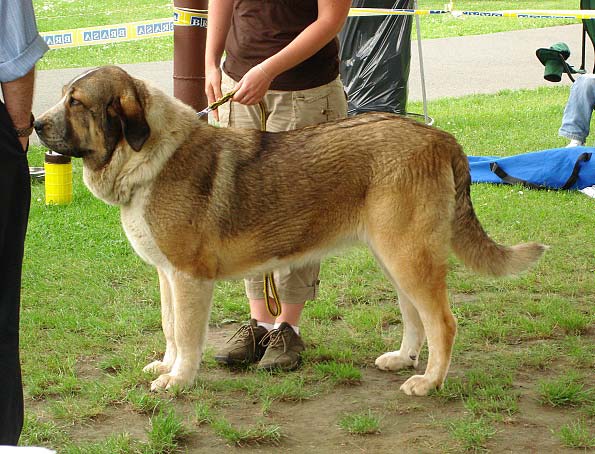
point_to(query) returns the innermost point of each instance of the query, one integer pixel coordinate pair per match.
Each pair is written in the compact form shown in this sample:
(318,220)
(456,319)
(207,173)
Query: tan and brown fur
(202,204)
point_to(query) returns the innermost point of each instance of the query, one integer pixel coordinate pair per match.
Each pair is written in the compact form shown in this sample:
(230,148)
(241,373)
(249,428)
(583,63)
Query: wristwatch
(25,132)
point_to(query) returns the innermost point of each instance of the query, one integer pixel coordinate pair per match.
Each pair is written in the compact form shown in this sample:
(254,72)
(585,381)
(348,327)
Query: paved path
(489,63)
(453,66)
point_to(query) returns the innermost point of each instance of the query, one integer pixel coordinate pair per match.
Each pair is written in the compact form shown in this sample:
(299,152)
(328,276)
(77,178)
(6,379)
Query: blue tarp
(558,168)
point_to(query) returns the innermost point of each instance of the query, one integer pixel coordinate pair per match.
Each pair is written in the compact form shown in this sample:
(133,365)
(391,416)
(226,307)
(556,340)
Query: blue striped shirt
(20,43)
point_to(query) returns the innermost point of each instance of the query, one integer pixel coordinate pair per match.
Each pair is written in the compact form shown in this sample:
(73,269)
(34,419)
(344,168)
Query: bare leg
(290,313)
(258,311)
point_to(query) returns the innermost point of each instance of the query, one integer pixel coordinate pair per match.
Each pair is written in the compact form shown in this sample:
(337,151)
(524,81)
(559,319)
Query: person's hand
(253,86)
(213,87)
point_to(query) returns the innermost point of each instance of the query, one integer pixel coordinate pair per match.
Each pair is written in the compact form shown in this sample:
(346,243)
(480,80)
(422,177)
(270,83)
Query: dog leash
(268,279)
(226,97)
(269,282)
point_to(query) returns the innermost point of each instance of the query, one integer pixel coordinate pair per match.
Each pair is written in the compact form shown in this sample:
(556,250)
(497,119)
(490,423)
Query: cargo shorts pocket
(319,105)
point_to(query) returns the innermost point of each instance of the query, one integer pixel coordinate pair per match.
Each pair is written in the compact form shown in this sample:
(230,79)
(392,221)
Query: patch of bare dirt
(408,424)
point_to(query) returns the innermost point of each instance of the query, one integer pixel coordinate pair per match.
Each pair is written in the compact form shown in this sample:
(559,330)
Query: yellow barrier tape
(109,33)
(125,32)
(198,18)
(358,12)
(546,14)
(524,13)
(190,17)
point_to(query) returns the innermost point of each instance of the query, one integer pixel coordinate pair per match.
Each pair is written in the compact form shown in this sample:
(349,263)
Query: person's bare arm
(331,17)
(18,97)
(220,12)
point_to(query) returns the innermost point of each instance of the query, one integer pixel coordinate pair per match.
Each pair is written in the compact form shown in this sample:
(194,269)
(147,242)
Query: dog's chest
(139,234)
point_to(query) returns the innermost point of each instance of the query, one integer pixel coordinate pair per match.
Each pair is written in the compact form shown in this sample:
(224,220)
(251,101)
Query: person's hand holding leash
(213,87)
(253,86)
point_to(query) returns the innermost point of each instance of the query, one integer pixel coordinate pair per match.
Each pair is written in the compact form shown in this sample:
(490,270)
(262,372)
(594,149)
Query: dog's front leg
(167,322)
(191,308)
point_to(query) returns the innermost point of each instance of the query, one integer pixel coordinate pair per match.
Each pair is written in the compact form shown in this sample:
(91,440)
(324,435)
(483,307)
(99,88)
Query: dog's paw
(157,367)
(418,385)
(395,361)
(168,381)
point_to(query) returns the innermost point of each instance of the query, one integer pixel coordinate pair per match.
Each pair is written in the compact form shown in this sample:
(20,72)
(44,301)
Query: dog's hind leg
(412,340)
(418,265)
(167,323)
(192,299)
(440,326)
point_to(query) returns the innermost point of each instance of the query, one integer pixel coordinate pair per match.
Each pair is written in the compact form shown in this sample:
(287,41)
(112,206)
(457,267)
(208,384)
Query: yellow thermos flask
(58,179)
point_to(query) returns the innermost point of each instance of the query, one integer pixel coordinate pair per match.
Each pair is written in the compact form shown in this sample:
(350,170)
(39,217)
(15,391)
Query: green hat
(554,60)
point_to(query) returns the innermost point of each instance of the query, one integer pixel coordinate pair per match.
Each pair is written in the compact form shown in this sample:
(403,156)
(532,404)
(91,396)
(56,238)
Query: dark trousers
(15,199)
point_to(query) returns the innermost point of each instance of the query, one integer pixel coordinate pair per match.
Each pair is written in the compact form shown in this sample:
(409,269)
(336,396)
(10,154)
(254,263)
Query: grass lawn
(521,378)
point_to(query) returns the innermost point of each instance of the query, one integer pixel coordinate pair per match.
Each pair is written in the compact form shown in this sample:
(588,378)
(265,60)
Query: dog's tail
(472,244)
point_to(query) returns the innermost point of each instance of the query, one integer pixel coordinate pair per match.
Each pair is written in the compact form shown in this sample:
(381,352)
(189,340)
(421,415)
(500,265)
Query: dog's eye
(75,102)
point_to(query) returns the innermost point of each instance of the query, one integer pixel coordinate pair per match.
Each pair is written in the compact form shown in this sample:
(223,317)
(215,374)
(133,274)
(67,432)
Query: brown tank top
(261,28)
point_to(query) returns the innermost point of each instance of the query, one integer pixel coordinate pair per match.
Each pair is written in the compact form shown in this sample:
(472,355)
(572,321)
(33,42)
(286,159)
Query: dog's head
(100,110)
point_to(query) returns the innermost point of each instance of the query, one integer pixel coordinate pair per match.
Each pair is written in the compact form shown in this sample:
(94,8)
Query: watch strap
(25,132)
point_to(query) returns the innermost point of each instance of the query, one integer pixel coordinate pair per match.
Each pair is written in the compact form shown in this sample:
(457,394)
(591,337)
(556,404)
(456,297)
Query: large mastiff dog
(201,203)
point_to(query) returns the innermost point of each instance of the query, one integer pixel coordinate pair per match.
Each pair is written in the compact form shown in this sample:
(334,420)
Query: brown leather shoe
(244,346)
(284,348)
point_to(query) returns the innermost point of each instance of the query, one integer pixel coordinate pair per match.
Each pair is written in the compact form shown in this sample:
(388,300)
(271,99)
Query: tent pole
(421,65)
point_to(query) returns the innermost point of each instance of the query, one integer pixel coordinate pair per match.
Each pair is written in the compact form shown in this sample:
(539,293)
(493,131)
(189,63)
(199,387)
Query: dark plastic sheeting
(375,58)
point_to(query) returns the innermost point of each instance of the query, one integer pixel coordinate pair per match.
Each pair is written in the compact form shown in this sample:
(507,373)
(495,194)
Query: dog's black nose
(38,125)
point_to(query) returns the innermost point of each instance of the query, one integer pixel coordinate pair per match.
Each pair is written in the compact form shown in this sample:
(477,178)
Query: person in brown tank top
(282,58)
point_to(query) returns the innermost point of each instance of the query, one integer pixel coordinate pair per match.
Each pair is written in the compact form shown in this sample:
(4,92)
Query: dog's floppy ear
(112,125)
(134,125)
